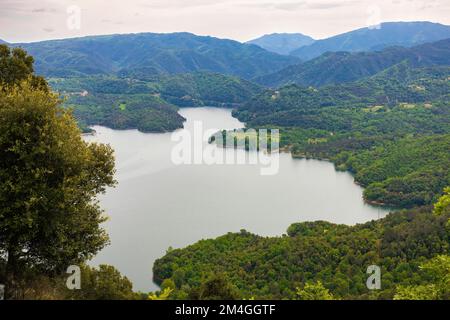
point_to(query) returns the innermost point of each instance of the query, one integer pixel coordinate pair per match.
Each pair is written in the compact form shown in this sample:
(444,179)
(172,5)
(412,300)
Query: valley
(363,174)
(158,205)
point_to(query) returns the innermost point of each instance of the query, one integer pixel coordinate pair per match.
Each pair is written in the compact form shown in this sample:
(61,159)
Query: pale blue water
(158,204)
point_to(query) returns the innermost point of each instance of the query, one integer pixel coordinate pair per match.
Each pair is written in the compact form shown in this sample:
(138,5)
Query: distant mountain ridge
(406,34)
(153,54)
(341,67)
(142,54)
(282,43)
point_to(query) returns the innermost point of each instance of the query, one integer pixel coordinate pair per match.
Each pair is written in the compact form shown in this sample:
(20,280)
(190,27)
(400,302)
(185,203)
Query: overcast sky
(242,20)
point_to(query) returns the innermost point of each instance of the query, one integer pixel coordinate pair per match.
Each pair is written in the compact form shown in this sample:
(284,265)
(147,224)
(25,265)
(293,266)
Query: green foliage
(351,107)
(143,112)
(206,89)
(133,55)
(404,34)
(317,228)
(168,284)
(49,179)
(424,292)
(15,67)
(148,103)
(102,283)
(163,295)
(438,270)
(314,291)
(337,256)
(217,287)
(341,67)
(403,172)
(443,205)
(390,130)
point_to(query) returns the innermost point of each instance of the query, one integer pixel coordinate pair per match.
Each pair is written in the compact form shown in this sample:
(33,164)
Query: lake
(158,204)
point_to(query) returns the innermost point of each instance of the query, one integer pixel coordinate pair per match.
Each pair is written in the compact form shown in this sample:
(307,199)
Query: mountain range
(152,53)
(340,67)
(142,54)
(387,34)
(282,43)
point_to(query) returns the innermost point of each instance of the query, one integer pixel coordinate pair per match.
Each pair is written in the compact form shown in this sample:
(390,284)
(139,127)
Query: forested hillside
(387,34)
(390,130)
(355,105)
(316,256)
(149,103)
(340,67)
(152,53)
(383,116)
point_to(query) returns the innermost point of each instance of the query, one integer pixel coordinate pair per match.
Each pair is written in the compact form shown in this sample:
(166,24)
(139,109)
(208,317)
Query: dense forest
(387,123)
(143,112)
(405,34)
(334,257)
(149,103)
(152,53)
(342,66)
(390,130)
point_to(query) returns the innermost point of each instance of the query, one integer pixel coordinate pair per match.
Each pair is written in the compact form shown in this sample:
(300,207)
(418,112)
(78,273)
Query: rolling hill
(333,122)
(152,53)
(282,43)
(150,104)
(404,34)
(340,67)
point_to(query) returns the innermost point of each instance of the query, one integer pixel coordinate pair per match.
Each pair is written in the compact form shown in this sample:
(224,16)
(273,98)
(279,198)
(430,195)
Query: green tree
(217,287)
(168,283)
(422,292)
(314,291)
(443,205)
(16,66)
(438,269)
(103,283)
(162,295)
(49,180)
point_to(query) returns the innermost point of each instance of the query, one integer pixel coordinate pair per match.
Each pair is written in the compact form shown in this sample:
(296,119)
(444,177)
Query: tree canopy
(16,66)
(49,180)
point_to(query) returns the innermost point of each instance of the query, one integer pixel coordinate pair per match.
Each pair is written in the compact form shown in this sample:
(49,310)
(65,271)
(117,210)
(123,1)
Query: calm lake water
(158,204)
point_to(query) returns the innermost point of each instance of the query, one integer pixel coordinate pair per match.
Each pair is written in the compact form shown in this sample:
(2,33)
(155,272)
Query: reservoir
(159,204)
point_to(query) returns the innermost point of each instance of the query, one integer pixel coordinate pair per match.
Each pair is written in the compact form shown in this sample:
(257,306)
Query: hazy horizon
(205,35)
(240,20)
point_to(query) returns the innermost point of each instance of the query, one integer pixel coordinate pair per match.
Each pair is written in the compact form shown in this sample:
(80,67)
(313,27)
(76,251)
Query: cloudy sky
(29,20)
